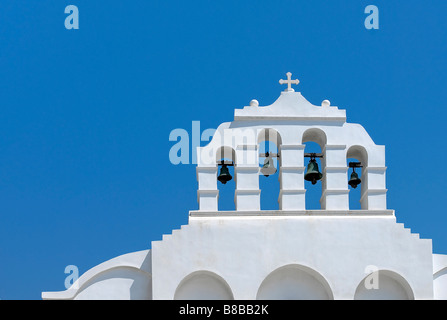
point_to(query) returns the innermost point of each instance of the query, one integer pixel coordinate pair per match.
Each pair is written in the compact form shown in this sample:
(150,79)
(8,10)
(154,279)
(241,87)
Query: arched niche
(384,285)
(226,200)
(269,140)
(269,134)
(225,152)
(203,285)
(315,141)
(315,135)
(358,153)
(294,282)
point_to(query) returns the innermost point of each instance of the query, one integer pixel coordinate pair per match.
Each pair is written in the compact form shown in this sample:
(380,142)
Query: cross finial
(289,82)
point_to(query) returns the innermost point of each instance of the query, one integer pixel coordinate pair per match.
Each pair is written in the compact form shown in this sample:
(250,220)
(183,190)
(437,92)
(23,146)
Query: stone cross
(289,82)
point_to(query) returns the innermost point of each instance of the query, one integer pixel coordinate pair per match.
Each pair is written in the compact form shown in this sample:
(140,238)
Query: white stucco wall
(292,253)
(440,276)
(308,255)
(245,250)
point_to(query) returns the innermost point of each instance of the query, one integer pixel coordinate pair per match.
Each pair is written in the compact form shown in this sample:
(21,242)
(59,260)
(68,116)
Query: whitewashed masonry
(290,253)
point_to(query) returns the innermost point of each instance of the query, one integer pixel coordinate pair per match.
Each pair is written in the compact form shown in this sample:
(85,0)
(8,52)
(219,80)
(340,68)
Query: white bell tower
(290,253)
(290,122)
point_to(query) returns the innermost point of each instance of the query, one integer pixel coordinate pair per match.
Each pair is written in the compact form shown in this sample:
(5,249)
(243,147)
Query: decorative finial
(326,103)
(254,103)
(289,82)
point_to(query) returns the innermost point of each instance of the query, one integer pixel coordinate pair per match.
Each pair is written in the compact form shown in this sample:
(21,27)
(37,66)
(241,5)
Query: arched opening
(269,142)
(226,189)
(357,155)
(203,285)
(294,282)
(384,285)
(314,140)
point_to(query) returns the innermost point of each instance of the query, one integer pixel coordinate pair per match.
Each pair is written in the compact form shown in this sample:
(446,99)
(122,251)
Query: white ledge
(291,106)
(300,213)
(292,146)
(291,168)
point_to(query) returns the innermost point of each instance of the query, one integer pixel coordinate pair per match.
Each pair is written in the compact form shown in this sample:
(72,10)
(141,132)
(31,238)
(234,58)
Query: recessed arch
(389,286)
(203,285)
(294,282)
(269,134)
(315,135)
(269,140)
(357,153)
(226,196)
(315,141)
(226,152)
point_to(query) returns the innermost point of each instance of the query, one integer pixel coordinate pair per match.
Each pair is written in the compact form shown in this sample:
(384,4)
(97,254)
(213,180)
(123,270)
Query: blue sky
(85,115)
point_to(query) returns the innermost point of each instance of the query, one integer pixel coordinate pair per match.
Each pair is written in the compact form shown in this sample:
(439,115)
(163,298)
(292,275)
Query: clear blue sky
(85,115)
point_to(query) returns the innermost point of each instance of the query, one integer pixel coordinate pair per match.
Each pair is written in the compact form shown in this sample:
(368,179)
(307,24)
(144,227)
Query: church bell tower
(292,252)
(289,123)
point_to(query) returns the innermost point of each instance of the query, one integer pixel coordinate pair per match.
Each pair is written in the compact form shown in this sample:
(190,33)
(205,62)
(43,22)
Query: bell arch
(225,152)
(294,282)
(203,285)
(315,141)
(226,189)
(386,285)
(269,134)
(269,143)
(315,135)
(357,153)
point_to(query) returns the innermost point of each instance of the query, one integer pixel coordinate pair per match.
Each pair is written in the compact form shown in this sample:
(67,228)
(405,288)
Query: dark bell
(354,181)
(313,174)
(268,168)
(224,175)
